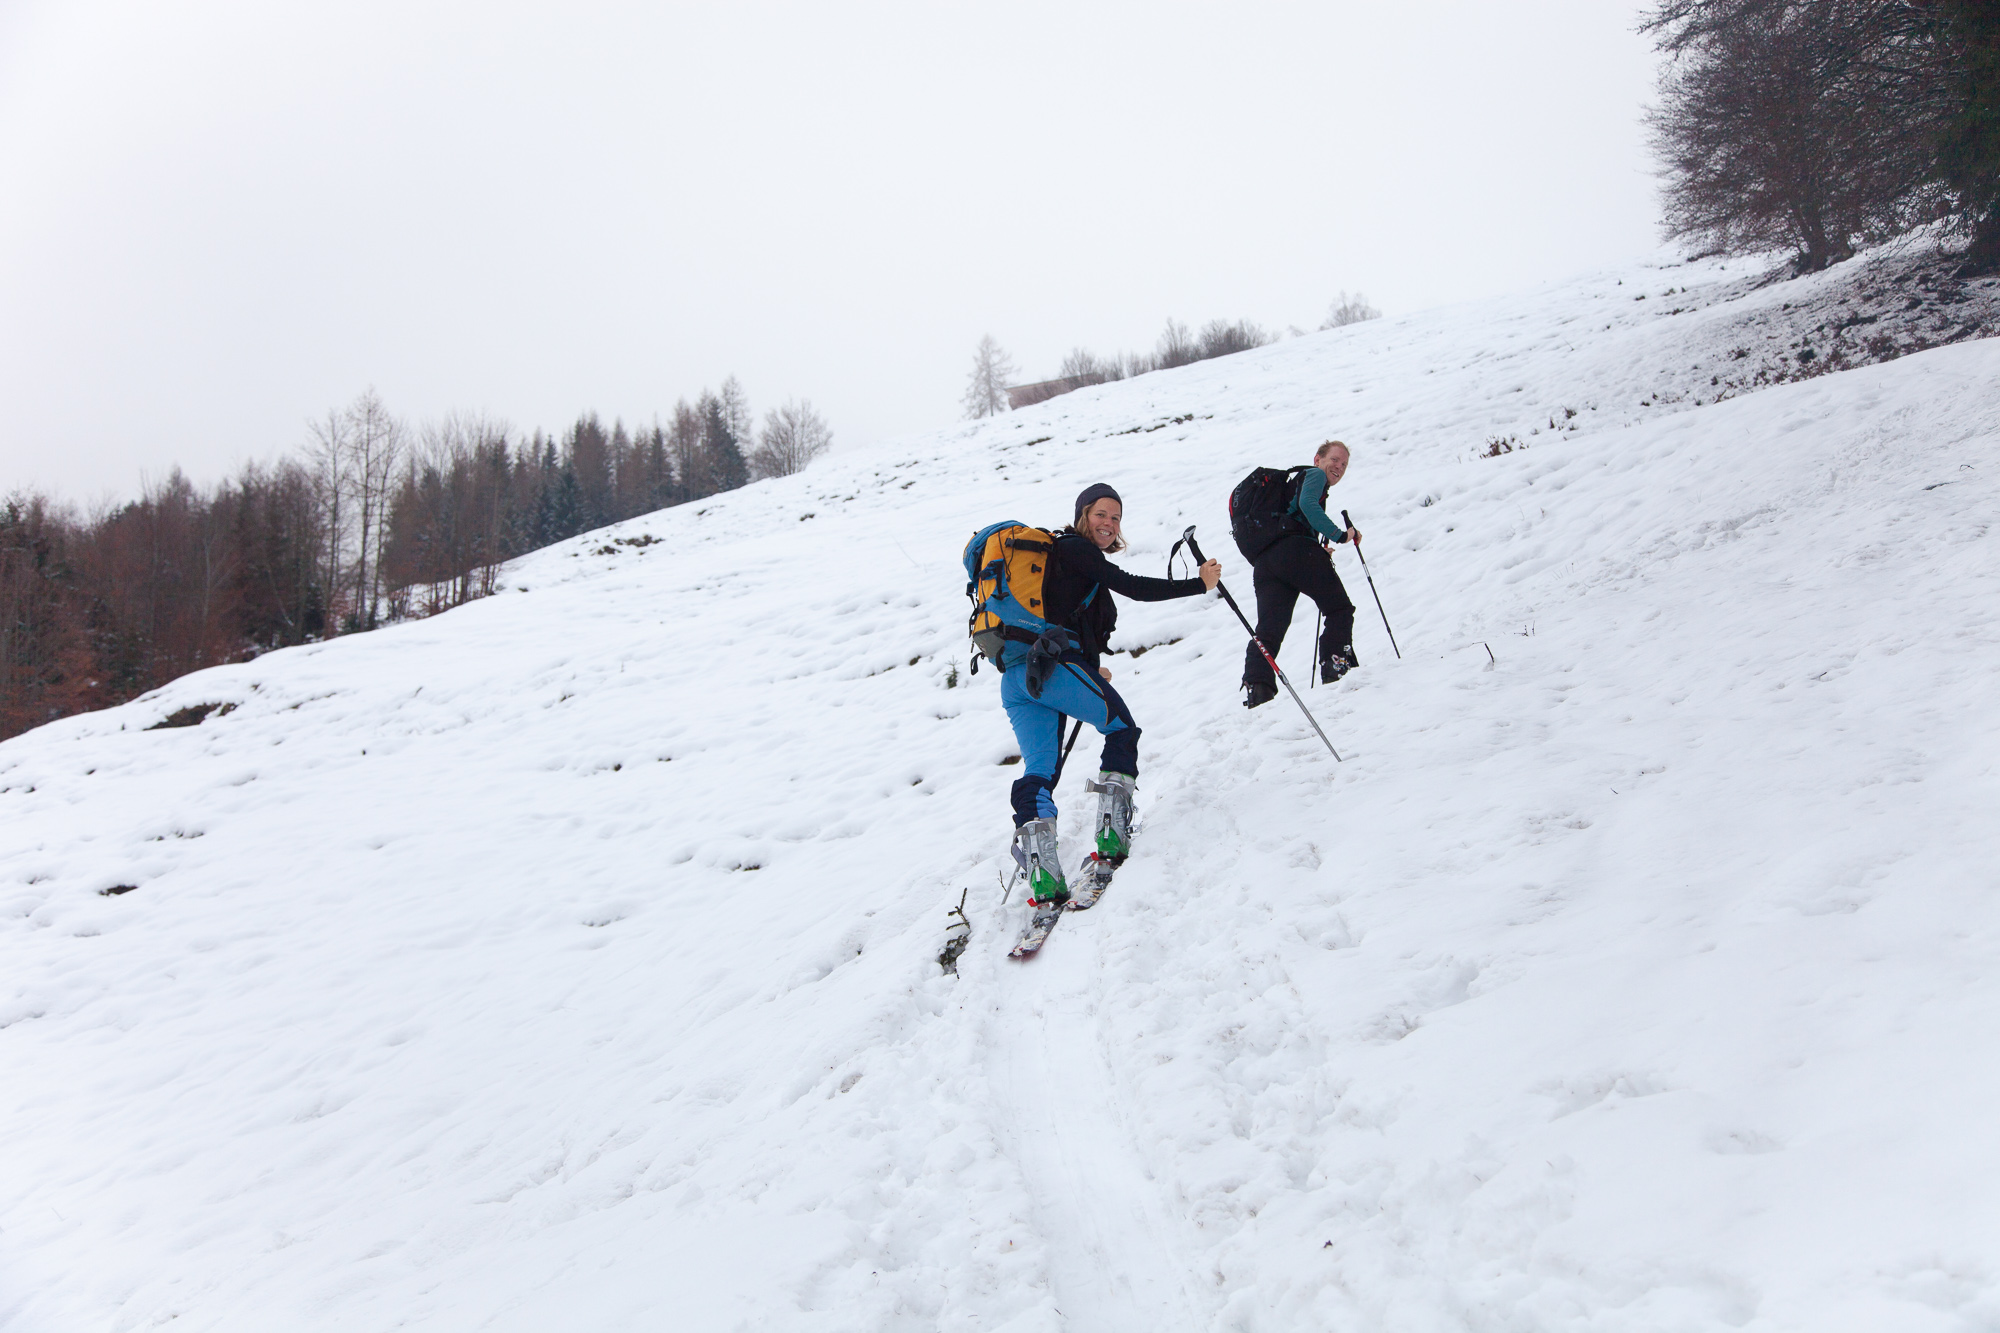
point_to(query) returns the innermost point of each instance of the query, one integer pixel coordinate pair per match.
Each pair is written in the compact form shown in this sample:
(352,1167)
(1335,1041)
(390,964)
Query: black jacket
(1075,567)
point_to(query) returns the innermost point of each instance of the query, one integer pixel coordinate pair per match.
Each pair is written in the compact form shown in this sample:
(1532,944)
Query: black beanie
(1091,495)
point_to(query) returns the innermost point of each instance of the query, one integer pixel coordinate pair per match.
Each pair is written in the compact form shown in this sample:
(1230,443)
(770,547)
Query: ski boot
(1337,664)
(1114,814)
(1114,837)
(1260,693)
(1048,893)
(1035,852)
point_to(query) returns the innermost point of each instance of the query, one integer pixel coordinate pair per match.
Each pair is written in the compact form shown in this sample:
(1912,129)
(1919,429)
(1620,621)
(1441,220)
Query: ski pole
(1371,587)
(1278,671)
(1319,622)
(1073,733)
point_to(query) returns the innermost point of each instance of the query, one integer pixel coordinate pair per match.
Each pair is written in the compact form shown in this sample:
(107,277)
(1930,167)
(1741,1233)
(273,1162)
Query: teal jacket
(1310,505)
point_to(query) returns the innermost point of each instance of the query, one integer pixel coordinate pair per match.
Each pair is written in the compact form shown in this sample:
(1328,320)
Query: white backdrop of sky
(219,218)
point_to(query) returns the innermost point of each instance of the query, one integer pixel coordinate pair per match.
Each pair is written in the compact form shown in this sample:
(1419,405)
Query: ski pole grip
(1194,547)
(1345,519)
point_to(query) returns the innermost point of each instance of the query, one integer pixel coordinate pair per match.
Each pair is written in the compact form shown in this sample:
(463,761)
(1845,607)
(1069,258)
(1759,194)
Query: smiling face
(1332,460)
(1101,522)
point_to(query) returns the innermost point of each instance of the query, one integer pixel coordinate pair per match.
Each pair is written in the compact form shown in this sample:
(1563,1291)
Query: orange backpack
(1005,566)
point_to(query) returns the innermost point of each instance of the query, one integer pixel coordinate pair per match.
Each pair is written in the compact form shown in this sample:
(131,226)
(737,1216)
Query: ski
(1093,878)
(1037,932)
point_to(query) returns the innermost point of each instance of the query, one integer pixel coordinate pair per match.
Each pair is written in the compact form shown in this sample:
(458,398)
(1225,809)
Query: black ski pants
(1291,565)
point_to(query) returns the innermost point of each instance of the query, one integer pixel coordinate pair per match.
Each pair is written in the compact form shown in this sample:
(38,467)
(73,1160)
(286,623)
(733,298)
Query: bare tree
(327,459)
(1347,310)
(793,436)
(986,392)
(1221,338)
(1177,346)
(1084,367)
(446,522)
(374,448)
(1781,123)
(684,439)
(736,412)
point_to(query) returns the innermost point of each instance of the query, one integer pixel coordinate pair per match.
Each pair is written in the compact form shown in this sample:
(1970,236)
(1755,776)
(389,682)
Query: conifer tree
(722,452)
(566,505)
(590,458)
(736,412)
(656,485)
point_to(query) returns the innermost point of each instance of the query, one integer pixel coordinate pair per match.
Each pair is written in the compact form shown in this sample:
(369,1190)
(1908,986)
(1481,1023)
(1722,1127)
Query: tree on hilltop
(793,436)
(1347,310)
(723,465)
(986,392)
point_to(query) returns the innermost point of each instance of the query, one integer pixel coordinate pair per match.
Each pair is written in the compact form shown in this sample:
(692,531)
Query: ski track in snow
(1117,1260)
(568,960)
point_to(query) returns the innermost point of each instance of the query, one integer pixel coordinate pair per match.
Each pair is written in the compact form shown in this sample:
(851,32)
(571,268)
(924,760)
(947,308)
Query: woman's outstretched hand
(1211,573)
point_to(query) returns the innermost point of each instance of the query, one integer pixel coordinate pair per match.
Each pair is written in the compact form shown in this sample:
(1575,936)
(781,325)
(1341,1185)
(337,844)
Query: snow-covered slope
(568,961)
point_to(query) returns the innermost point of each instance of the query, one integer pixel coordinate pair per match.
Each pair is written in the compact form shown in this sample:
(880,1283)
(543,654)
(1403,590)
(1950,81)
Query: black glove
(1043,655)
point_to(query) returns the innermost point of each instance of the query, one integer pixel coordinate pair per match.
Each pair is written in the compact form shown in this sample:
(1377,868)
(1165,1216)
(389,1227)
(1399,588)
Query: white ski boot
(1048,892)
(1114,838)
(1114,814)
(1035,851)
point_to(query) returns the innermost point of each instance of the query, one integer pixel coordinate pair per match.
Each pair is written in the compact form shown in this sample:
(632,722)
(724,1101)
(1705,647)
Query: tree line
(1818,126)
(371,521)
(992,368)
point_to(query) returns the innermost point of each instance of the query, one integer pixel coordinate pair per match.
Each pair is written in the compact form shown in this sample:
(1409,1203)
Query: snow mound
(569,960)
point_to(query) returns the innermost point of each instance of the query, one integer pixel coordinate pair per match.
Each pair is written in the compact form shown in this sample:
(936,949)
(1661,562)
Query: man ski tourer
(1280,522)
(1059,676)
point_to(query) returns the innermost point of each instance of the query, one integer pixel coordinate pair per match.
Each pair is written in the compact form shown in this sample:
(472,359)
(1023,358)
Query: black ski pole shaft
(1318,629)
(1074,732)
(1371,587)
(1276,670)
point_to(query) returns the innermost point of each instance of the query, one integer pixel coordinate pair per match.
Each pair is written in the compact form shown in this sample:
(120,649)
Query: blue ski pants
(1075,690)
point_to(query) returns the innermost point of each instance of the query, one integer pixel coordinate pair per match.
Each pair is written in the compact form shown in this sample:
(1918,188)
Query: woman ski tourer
(1061,677)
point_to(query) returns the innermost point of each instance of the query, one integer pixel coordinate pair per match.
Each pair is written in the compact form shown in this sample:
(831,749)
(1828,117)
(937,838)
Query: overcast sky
(219,219)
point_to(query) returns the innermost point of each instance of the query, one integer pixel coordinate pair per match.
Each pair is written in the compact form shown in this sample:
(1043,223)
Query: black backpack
(1260,509)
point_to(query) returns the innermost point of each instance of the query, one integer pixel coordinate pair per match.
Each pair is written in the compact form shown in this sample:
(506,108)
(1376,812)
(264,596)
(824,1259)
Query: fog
(223,218)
